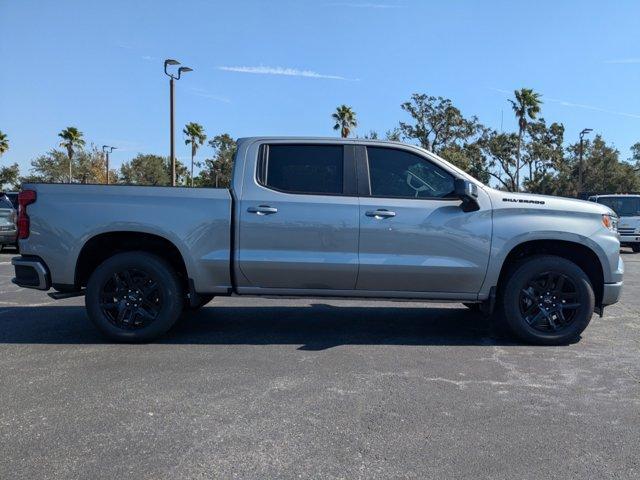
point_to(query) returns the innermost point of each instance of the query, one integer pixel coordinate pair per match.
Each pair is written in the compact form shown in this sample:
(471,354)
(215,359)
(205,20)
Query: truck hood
(502,199)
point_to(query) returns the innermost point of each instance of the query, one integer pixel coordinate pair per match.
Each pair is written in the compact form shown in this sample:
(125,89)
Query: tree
(345,119)
(526,106)
(149,169)
(470,158)
(4,143)
(501,150)
(217,170)
(635,155)
(196,137)
(544,154)
(10,176)
(72,138)
(88,166)
(603,172)
(437,124)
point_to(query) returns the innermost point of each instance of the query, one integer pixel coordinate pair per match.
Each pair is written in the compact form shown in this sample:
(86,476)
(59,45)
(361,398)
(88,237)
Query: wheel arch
(104,245)
(582,255)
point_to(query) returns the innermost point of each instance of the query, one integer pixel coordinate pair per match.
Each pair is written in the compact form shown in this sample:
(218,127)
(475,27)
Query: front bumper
(626,239)
(611,293)
(31,272)
(8,237)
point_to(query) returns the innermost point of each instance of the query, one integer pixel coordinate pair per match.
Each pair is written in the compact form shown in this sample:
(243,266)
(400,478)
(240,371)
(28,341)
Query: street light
(582,134)
(172,77)
(106,150)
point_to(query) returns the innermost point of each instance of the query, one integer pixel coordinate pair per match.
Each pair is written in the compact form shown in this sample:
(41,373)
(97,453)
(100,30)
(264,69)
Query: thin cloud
(148,58)
(564,103)
(624,60)
(286,71)
(201,92)
(364,5)
(584,106)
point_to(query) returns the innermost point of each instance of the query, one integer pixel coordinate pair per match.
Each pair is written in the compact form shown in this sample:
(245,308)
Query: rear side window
(398,173)
(303,168)
(5,203)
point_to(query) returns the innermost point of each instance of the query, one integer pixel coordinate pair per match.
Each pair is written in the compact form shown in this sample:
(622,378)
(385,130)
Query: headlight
(610,222)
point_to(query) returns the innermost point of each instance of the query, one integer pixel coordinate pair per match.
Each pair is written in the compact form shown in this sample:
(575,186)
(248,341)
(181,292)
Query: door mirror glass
(467,192)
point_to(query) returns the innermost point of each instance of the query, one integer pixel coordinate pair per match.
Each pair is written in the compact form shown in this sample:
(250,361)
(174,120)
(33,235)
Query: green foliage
(436,124)
(149,169)
(217,170)
(10,177)
(345,120)
(4,143)
(526,106)
(88,166)
(195,137)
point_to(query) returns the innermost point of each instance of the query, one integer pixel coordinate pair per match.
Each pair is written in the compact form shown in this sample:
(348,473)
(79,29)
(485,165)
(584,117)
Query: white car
(627,207)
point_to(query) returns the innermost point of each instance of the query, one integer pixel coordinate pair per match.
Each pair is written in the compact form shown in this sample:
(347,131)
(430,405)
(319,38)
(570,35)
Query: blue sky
(98,66)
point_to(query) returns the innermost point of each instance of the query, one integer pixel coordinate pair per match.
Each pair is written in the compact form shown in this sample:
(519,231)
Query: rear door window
(311,169)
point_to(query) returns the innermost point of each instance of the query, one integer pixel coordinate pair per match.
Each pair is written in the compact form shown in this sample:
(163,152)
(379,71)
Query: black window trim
(349,174)
(364,187)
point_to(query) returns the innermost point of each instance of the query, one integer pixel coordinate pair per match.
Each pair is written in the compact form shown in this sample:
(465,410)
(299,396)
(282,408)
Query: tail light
(25,198)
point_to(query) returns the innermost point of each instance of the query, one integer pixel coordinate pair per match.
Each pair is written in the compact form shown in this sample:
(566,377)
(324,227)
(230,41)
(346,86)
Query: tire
(562,313)
(141,279)
(474,307)
(202,301)
(635,247)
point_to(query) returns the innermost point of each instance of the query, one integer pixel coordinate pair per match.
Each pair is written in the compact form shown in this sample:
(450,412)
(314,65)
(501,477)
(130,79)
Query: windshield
(5,203)
(623,206)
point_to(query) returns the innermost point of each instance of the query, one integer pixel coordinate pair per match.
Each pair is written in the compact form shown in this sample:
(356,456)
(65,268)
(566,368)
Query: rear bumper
(31,272)
(611,293)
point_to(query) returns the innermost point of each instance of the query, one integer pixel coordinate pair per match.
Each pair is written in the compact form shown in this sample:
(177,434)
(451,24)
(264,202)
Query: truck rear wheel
(547,300)
(134,297)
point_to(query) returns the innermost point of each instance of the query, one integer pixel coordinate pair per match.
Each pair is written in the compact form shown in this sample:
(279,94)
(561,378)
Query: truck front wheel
(635,247)
(547,300)
(134,297)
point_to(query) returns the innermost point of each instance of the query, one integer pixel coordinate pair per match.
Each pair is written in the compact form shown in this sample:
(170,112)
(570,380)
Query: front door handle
(262,210)
(380,213)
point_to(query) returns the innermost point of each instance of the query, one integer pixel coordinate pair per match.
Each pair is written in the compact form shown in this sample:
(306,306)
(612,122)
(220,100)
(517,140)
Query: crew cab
(322,217)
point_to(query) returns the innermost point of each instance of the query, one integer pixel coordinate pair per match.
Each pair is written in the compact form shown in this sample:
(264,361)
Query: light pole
(106,150)
(582,134)
(172,150)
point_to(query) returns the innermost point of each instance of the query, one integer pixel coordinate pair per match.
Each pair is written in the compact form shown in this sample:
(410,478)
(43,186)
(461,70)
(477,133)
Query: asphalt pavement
(263,388)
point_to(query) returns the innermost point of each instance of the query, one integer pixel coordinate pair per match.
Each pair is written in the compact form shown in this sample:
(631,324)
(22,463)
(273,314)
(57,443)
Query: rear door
(414,237)
(299,219)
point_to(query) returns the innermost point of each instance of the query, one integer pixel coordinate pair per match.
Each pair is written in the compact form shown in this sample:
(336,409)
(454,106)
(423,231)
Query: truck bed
(196,220)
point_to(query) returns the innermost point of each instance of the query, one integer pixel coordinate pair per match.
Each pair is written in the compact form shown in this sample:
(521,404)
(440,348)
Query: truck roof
(609,195)
(322,139)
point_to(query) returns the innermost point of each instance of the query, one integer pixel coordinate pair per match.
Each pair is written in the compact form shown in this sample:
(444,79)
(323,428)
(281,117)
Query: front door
(414,237)
(299,219)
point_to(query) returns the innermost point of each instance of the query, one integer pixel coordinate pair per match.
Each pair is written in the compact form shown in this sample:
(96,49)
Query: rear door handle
(262,210)
(380,213)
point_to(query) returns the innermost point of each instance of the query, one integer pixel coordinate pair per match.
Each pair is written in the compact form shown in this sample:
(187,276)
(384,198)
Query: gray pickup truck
(322,217)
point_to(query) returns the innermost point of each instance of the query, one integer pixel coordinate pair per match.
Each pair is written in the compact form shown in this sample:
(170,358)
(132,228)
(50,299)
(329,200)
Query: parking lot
(260,388)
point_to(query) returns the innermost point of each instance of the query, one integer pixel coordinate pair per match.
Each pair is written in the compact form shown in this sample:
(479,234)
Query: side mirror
(467,192)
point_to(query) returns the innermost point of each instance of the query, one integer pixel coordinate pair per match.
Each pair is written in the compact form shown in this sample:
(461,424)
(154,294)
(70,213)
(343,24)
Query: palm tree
(526,106)
(4,142)
(71,139)
(345,119)
(196,137)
